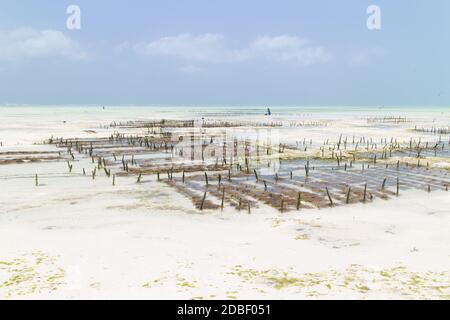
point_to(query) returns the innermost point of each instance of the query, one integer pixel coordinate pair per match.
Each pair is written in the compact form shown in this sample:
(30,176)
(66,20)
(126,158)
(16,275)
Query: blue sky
(225,53)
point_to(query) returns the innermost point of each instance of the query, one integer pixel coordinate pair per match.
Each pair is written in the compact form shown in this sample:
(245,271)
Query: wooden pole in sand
(347,200)
(329,196)
(203,201)
(223,198)
(398,187)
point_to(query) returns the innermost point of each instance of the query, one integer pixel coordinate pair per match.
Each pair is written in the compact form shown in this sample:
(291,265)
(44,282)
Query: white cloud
(27,43)
(279,42)
(202,48)
(365,57)
(286,48)
(190,69)
(212,48)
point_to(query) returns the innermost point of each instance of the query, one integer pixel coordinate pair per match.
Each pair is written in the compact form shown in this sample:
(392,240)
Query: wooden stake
(347,201)
(365,192)
(203,201)
(329,196)
(223,198)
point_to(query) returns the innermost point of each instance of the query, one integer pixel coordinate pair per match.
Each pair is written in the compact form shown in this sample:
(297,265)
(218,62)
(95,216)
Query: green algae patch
(356,280)
(184,283)
(30,274)
(232,295)
(276,222)
(302,237)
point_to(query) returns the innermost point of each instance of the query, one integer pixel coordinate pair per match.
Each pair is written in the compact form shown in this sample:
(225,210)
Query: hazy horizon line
(260,105)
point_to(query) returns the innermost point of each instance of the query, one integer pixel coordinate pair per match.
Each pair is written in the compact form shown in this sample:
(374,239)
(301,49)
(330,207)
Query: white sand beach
(69,235)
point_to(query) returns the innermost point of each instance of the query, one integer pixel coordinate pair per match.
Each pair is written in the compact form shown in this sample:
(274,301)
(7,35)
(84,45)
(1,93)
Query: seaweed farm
(224,203)
(243,164)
